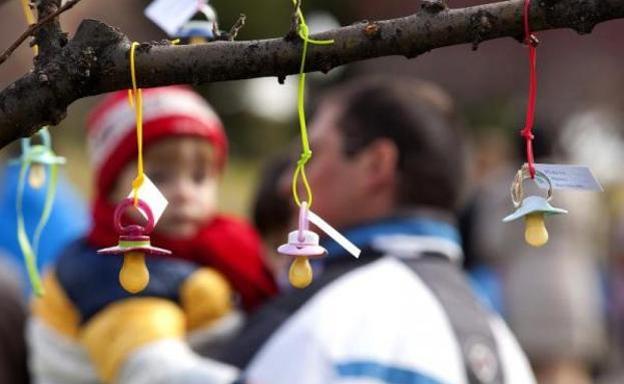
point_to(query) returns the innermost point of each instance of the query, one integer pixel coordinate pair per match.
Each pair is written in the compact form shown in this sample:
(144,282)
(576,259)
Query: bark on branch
(96,59)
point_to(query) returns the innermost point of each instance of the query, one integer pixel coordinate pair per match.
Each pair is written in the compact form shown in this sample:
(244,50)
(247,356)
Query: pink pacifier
(302,245)
(134,244)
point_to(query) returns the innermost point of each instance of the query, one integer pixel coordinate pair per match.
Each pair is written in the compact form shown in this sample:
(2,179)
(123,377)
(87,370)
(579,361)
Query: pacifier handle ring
(43,134)
(25,144)
(303,221)
(523,173)
(46,139)
(121,209)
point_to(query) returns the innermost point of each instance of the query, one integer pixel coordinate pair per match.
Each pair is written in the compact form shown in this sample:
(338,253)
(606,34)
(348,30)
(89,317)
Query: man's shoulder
(385,316)
(374,291)
(269,319)
(397,309)
(379,315)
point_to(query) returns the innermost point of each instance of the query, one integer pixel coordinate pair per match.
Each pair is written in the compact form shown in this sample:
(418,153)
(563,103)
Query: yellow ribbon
(135,98)
(30,19)
(306,154)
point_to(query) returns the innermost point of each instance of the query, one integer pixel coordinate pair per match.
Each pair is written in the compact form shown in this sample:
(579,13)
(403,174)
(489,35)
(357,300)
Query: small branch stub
(372,30)
(433,6)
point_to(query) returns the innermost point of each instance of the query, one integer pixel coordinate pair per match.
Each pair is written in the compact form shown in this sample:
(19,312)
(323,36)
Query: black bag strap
(468,317)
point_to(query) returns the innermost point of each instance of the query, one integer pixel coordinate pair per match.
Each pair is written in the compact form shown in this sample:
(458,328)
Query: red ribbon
(527,132)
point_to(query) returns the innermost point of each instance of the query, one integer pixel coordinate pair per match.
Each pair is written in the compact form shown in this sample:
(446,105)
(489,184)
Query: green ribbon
(34,155)
(306,154)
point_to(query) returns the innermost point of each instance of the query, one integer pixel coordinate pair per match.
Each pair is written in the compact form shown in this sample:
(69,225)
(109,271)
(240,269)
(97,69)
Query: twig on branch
(433,6)
(294,22)
(32,29)
(240,23)
(96,59)
(231,35)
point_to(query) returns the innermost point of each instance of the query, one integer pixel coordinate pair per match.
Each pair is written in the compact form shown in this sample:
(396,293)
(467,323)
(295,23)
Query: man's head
(184,152)
(383,145)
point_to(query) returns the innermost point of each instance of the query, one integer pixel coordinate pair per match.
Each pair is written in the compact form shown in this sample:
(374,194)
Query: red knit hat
(167,111)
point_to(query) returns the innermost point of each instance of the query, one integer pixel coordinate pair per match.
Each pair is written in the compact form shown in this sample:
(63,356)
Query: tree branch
(96,59)
(34,28)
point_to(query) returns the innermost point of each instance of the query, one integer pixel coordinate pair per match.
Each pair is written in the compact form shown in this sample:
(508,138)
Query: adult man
(387,170)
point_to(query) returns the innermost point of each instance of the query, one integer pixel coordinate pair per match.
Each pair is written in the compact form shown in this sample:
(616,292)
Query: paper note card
(170,15)
(334,234)
(563,176)
(151,195)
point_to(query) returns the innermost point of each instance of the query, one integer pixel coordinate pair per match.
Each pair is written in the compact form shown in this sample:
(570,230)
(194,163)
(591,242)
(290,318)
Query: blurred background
(566,301)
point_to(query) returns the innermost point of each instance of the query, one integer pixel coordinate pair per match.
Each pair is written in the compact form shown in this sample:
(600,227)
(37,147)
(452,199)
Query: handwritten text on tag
(563,176)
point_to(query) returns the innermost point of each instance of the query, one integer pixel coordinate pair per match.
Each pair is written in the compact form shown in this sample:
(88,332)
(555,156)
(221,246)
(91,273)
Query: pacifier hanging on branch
(134,244)
(192,21)
(36,157)
(202,27)
(134,241)
(532,208)
(302,245)
(35,163)
(34,160)
(546,176)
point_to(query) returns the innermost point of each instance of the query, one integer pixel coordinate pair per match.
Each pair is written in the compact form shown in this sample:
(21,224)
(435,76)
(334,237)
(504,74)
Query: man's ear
(379,161)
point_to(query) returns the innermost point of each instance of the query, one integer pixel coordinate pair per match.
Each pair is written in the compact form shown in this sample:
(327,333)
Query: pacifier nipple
(300,272)
(36,176)
(134,275)
(535,233)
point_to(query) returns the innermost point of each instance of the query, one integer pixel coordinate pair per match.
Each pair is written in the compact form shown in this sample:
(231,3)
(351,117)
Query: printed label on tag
(563,176)
(170,15)
(334,234)
(150,194)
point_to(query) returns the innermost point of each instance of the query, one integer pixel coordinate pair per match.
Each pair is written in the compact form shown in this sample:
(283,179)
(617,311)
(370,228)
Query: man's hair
(419,118)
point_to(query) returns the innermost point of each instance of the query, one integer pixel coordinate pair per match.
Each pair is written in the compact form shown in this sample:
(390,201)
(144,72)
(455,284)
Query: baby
(87,328)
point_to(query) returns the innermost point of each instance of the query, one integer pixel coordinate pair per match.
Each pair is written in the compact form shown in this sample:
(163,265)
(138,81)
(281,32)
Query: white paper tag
(564,176)
(151,195)
(334,234)
(170,15)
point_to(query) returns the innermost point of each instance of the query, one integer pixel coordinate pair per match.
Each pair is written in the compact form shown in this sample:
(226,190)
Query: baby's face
(184,170)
